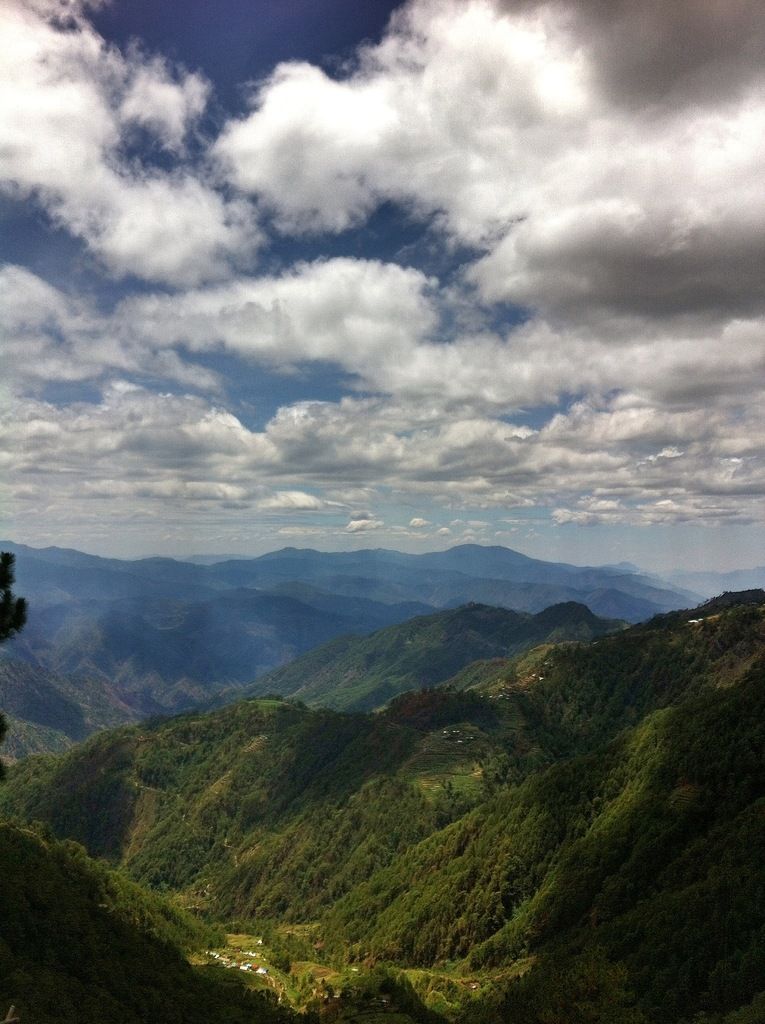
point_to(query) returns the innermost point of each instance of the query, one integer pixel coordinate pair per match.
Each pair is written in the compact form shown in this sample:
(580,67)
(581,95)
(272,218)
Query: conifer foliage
(13,610)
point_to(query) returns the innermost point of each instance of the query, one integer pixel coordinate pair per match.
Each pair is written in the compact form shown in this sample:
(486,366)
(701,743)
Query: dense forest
(574,833)
(80,942)
(364,673)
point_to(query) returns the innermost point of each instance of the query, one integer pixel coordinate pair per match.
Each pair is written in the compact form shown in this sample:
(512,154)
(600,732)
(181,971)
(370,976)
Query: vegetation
(547,838)
(83,943)
(262,808)
(649,850)
(364,673)
(13,610)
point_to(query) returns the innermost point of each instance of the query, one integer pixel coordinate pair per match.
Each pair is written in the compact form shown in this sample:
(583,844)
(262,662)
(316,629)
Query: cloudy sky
(353,273)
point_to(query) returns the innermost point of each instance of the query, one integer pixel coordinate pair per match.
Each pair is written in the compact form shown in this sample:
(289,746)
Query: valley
(113,641)
(519,839)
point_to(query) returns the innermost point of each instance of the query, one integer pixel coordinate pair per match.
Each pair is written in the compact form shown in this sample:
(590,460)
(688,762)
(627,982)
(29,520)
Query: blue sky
(341,273)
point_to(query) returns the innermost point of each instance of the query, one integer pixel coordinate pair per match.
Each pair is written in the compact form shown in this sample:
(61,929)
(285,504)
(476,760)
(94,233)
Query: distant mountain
(152,637)
(468,572)
(363,673)
(710,583)
(161,636)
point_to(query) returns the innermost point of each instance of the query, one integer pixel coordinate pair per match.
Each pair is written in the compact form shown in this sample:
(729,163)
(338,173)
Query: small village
(242,960)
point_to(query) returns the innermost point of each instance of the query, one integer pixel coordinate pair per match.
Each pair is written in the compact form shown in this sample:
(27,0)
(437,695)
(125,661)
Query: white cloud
(68,104)
(51,336)
(690,428)
(178,454)
(295,501)
(376,321)
(512,128)
(609,187)
(165,107)
(364,525)
(362,314)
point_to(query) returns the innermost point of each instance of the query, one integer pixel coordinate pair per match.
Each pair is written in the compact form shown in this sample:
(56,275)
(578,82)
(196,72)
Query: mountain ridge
(548,826)
(362,674)
(163,635)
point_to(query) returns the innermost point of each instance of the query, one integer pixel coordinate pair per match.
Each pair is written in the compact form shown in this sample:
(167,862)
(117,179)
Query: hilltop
(364,673)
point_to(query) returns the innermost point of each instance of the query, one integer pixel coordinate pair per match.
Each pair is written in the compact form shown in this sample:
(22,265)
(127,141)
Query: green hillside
(81,943)
(264,806)
(363,673)
(581,819)
(648,850)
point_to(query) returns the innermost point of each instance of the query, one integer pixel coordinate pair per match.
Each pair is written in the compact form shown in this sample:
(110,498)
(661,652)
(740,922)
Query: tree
(13,610)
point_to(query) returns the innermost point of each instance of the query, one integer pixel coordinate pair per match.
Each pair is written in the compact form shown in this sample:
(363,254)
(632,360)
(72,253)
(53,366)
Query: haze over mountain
(710,583)
(155,635)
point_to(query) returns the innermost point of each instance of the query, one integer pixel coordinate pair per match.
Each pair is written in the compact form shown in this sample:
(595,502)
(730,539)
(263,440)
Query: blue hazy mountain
(159,635)
(710,583)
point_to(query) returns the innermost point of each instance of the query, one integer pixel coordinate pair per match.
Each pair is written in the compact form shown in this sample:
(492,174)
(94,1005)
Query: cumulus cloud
(601,162)
(670,54)
(166,107)
(377,322)
(672,416)
(364,523)
(603,155)
(295,501)
(51,335)
(68,105)
(362,314)
(164,451)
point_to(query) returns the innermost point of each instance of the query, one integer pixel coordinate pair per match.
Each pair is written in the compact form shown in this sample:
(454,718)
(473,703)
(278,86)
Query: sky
(353,273)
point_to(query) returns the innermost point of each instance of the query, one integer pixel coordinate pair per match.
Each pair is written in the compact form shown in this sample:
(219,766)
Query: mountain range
(156,636)
(543,837)
(364,673)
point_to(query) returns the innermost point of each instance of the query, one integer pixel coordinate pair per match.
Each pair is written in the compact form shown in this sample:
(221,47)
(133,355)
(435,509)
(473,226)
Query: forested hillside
(299,804)
(646,851)
(582,817)
(363,673)
(81,943)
